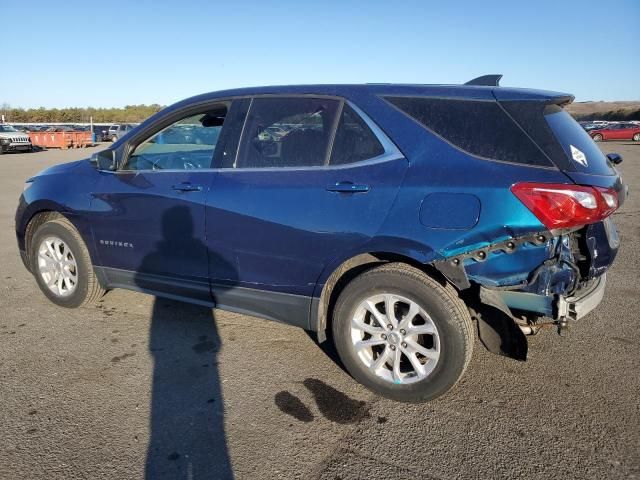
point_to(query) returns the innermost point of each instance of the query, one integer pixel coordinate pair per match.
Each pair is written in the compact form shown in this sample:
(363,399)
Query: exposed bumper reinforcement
(576,307)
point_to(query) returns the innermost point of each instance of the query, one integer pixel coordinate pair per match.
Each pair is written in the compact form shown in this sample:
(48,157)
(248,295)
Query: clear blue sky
(113,53)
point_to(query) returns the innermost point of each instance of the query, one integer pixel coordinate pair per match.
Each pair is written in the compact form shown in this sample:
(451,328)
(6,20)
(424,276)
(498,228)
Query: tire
(636,137)
(440,310)
(82,286)
(114,139)
(597,137)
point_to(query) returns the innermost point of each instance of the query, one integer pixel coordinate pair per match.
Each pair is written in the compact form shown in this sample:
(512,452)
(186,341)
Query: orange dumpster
(62,140)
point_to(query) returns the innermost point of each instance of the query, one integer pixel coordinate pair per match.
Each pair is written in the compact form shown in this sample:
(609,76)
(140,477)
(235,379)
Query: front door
(149,226)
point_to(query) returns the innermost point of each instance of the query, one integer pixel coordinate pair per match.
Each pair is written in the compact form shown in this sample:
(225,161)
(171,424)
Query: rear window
(480,128)
(577,144)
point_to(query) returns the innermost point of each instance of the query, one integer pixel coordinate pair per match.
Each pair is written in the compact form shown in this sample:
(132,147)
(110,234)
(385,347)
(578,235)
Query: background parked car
(13,140)
(617,131)
(117,131)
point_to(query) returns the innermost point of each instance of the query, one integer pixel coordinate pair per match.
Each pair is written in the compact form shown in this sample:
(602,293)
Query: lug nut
(392,347)
(390,327)
(384,337)
(404,344)
(402,331)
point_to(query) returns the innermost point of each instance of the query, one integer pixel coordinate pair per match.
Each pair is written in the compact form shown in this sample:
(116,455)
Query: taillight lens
(565,206)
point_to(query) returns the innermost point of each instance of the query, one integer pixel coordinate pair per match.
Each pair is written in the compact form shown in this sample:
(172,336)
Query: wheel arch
(337,278)
(37,216)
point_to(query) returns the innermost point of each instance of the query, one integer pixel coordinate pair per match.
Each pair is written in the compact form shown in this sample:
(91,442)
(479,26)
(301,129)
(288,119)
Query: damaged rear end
(553,271)
(580,242)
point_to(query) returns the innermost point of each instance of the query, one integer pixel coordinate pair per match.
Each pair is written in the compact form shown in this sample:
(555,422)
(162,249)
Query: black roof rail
(492,80)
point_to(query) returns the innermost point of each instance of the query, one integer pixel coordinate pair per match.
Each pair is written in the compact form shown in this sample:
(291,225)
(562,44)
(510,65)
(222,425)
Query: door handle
(348,187)
(187,187)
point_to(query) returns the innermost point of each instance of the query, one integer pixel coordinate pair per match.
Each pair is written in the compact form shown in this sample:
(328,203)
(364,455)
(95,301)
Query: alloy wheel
(57,266)
(395,338)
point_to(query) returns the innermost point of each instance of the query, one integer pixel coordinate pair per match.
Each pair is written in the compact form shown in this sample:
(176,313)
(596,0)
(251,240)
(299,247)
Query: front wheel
(597,137)
(636,137)
(61,265)
(402,334)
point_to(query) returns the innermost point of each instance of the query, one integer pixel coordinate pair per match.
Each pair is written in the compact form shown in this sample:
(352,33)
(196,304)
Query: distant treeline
(130,113)
(137,113)
(612,115)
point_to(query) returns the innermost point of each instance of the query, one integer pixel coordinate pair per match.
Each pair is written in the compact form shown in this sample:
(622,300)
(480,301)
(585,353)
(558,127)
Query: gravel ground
(141,386)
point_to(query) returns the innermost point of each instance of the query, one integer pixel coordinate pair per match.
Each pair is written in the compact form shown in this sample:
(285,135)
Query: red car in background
(617,131)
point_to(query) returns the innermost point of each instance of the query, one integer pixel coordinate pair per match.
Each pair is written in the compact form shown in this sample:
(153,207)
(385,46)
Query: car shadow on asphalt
(187,434)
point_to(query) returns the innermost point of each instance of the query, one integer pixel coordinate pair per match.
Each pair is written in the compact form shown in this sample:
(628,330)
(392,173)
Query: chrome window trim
(391,151)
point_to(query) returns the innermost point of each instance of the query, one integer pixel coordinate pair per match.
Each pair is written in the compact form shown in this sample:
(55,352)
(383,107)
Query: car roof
(384,89)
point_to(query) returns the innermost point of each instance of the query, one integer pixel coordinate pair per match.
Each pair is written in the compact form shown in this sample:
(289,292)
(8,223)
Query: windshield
(7,128)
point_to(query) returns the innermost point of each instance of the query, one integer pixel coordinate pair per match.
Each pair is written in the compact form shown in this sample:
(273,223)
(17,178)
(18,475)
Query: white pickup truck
(12,140)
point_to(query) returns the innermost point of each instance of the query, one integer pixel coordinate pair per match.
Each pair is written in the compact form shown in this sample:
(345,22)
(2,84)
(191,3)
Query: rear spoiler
(492,80)
(548,98)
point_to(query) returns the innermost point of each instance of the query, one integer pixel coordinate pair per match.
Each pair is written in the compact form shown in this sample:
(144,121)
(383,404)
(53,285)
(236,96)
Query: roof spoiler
(492,80)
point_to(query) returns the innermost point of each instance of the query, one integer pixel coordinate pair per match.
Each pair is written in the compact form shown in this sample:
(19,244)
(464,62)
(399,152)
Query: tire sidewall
(451,362)
(80,293)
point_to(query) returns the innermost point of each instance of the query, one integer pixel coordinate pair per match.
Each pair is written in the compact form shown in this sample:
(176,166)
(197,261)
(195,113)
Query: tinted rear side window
(354,140)
(572,136)
(480,128)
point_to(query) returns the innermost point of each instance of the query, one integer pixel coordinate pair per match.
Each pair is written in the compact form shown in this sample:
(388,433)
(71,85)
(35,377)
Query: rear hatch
(542,116)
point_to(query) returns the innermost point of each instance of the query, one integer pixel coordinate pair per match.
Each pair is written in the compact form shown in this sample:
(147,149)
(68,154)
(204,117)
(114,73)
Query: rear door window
(287,132)
(354,141)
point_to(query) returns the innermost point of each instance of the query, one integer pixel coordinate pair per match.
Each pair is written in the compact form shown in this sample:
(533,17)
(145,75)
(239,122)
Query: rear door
(312,180)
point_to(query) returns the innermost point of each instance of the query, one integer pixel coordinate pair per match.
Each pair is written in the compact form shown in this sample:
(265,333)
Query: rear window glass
(287,132)
(480,128)
(575,140)
(354,140)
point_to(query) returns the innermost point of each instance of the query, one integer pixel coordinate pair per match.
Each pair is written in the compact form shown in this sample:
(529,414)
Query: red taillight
(565,206)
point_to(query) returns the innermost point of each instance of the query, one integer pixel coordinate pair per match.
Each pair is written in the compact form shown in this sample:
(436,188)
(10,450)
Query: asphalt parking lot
(137,385)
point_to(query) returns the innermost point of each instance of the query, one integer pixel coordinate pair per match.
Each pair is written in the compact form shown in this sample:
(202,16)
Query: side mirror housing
(614,158)
(105,160)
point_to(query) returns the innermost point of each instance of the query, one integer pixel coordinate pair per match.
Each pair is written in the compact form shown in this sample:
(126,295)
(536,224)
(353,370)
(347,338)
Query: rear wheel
(597,137)
(402,334)
(114,138)
(61,265)
(636,137)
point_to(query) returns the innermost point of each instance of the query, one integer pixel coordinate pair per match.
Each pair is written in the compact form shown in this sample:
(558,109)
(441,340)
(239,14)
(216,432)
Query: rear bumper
(576,307)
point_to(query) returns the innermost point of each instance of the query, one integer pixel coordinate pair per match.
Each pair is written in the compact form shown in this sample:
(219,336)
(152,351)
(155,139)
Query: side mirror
(614,158)
(105,160)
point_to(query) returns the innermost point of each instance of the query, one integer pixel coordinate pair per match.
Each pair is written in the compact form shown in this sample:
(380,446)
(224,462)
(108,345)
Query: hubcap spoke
(426,329)
(381,360)
(417,366)
(370,329)
(397,356)
(430,353)
(369,343)
(411,314)
(373,310)
(389,306)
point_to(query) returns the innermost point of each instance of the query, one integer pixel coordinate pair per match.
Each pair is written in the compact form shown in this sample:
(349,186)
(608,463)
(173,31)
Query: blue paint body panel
(282,231)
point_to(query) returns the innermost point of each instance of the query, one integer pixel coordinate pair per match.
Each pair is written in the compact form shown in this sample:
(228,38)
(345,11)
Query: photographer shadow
(187,433)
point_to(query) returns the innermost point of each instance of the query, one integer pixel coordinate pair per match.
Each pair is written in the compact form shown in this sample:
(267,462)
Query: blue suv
(397,220)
